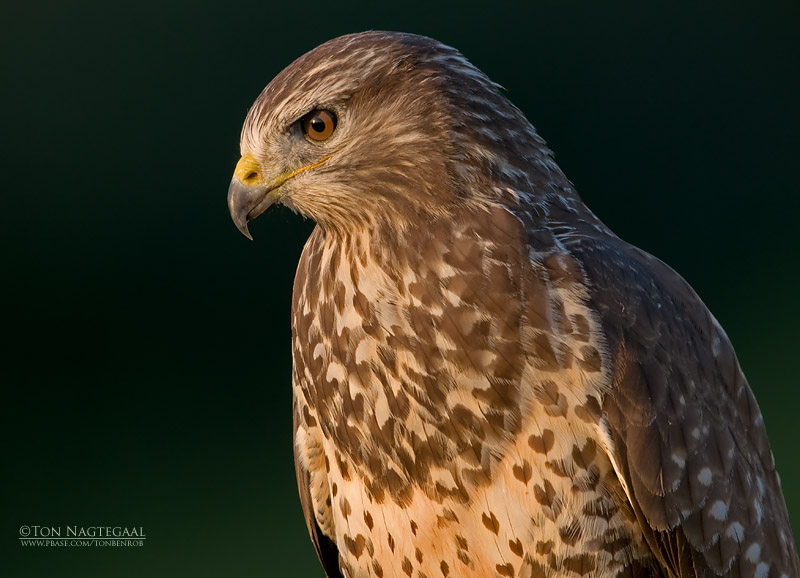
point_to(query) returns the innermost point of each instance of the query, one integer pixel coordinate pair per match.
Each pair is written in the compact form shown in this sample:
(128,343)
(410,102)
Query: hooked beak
(249,194)
(246,202)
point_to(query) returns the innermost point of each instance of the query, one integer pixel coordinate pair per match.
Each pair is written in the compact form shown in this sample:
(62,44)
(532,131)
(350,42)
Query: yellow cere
(248,172)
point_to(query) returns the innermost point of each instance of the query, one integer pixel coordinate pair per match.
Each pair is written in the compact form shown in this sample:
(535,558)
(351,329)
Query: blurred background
(145,342)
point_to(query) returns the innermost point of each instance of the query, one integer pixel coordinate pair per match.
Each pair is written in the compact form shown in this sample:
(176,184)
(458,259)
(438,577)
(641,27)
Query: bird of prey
(487,381)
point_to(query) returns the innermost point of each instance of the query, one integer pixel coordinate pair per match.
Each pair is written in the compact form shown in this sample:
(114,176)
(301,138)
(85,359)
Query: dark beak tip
(241,201)
(241,221)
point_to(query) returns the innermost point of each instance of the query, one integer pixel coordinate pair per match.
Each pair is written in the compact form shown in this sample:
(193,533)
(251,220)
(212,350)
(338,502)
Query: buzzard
(487,381)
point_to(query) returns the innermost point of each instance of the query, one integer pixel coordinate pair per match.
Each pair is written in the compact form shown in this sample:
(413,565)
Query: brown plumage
(487,381)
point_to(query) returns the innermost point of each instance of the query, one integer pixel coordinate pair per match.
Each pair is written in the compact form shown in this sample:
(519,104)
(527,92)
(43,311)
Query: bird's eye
(318,124)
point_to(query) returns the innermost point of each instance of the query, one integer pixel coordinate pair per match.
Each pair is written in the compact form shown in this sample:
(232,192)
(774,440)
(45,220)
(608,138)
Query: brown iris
(319,124)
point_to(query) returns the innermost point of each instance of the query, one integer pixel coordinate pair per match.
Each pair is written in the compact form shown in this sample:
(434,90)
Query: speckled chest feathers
(448,404)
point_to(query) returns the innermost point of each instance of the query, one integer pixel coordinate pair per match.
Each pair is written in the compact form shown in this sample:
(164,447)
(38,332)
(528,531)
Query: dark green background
(146,358)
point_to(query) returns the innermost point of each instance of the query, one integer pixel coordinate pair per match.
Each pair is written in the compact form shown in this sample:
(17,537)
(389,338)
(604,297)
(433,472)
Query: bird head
(377,128)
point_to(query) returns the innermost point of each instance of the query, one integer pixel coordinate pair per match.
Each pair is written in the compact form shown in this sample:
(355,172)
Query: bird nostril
(252,175)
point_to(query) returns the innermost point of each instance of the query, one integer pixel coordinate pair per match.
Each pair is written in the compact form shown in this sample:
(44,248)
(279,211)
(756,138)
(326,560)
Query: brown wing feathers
(687,428)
